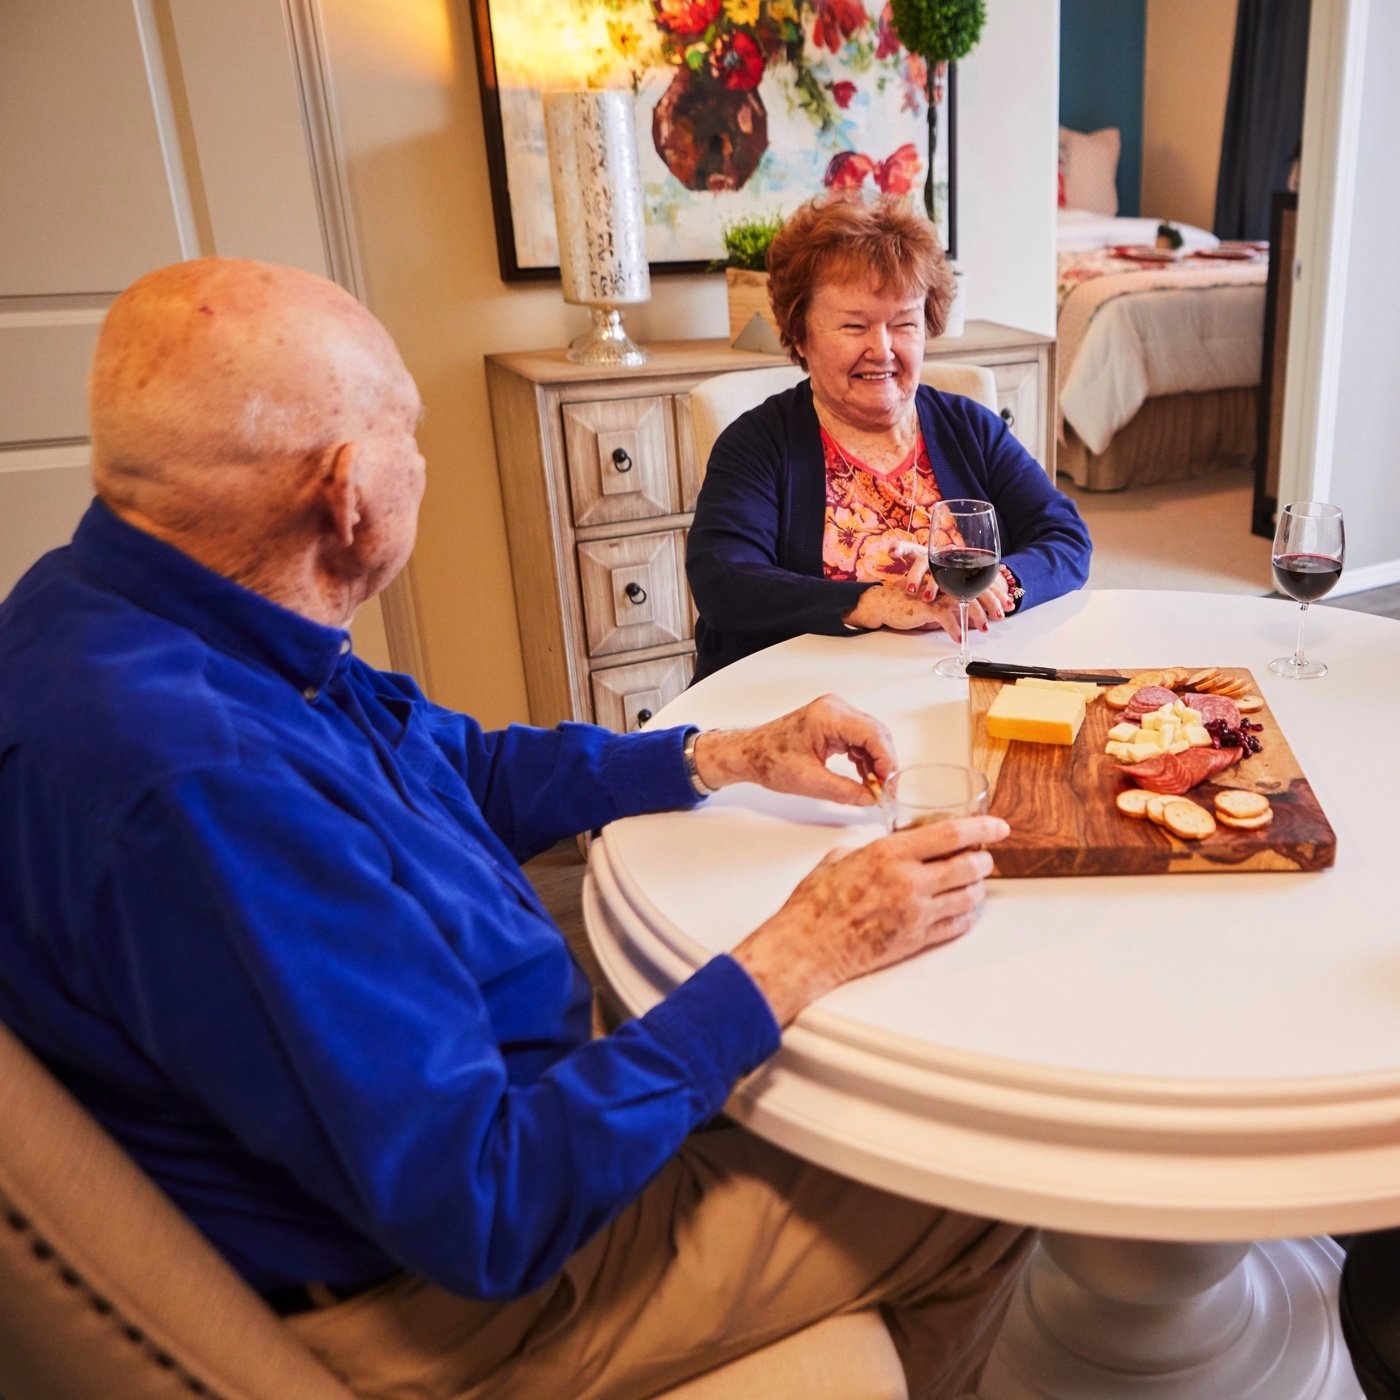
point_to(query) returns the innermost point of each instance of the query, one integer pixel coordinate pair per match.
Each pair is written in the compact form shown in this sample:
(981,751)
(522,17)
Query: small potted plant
(940,32)
(745,265)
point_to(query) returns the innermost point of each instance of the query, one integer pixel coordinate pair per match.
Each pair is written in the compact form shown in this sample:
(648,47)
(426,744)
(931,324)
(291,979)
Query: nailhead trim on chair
(42,1250)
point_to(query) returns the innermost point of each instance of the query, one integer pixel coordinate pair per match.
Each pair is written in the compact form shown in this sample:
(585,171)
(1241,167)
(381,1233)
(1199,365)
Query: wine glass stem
(1299,659)
(962,633)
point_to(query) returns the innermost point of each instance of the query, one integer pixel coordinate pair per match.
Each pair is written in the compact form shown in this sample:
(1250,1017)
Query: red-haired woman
(816,507)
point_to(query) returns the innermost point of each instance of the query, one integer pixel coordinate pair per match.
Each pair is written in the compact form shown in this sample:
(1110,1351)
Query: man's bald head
(260,419)
(213,372)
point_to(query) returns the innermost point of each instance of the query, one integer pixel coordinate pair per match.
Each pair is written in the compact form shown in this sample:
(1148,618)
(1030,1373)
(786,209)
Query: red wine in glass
(963,572)
(964,554)
(1306,577)
(1309,549)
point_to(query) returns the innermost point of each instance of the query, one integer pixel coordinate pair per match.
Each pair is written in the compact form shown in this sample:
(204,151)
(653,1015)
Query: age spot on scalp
(206,310)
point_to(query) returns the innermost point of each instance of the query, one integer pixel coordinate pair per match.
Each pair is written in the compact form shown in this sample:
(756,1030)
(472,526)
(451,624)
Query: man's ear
(340,490)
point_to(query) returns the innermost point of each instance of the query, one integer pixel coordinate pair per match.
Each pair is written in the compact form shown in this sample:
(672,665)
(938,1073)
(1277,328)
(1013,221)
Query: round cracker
(1248,704)
(1246,823)
(1198,679)
(1188,820)
(1236,802)
(1149,678)
(1132,802)
(1158,803)
(1117,697)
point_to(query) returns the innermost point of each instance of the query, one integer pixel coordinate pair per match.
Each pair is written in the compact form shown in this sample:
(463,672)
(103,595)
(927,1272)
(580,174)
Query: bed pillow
(1089,166)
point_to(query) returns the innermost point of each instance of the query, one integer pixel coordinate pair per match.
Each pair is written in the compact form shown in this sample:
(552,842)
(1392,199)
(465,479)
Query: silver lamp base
(606,342)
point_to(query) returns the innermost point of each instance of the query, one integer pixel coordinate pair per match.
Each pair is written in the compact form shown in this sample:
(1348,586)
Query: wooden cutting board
(1059,801)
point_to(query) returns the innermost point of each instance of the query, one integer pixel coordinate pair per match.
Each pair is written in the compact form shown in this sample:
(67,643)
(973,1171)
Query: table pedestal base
(1106,1319)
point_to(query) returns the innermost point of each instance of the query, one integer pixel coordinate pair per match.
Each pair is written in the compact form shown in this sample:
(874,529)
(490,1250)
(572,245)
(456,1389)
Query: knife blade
(1010,671)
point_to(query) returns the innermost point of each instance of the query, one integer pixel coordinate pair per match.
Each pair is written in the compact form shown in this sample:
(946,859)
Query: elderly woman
(815,511)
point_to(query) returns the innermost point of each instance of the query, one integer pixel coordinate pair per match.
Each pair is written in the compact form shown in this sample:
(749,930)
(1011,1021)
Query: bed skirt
(1174,438)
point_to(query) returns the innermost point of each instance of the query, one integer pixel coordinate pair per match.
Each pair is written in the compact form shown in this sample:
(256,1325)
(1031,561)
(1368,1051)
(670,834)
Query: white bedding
(1163,341)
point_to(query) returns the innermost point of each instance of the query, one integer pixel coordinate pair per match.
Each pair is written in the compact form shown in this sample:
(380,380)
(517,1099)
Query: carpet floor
(1188,535)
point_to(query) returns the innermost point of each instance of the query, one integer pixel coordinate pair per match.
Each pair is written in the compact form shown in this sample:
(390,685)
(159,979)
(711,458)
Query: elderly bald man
(261,909)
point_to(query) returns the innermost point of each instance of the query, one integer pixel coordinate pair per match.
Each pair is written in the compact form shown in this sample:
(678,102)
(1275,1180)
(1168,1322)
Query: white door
(135,133)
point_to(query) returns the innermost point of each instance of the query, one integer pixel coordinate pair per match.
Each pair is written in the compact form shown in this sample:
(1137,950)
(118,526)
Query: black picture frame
(503,215)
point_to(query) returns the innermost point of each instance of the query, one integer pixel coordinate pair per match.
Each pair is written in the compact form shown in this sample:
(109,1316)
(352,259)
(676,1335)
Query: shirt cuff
(646,772)
(720,1024)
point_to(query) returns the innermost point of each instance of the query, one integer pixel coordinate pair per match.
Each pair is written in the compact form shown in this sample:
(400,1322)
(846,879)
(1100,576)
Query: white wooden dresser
(599,480)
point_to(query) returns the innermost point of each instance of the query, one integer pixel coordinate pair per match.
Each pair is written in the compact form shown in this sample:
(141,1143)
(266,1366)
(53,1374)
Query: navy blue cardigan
(754,559)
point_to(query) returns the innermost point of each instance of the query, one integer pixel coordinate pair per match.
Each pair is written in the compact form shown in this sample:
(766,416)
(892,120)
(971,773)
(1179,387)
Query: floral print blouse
(877,524)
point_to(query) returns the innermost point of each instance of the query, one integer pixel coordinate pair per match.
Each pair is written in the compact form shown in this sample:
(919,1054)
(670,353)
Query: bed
(1158,364)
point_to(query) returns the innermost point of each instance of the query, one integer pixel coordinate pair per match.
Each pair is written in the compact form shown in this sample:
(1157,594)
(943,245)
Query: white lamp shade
(597,197)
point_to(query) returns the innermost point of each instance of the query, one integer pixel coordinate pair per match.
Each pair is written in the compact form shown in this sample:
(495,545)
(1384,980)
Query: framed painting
(743,107)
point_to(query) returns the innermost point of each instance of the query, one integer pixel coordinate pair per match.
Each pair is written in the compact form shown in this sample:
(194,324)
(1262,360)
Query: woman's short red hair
(837,241)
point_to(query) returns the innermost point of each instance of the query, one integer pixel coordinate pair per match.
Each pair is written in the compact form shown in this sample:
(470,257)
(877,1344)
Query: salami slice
(1146,699)
(1215,707)
(1163,772)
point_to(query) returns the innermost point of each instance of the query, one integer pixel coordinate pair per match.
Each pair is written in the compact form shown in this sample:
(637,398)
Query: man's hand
(790,754)
(865,909)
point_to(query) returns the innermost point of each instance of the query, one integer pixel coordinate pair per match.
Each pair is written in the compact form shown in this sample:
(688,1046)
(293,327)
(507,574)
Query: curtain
(1263,113)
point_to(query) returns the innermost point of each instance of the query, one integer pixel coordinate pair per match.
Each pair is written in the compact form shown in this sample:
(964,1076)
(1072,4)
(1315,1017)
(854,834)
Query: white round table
(1153,1069)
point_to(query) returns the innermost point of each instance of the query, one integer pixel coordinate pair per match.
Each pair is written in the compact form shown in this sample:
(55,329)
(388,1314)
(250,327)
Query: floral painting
(742,107)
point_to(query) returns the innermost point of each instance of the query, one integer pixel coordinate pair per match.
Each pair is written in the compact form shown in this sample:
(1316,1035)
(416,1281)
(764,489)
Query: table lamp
(598,212)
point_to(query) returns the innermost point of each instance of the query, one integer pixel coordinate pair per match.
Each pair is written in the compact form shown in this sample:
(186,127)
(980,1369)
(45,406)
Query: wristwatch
(692,769)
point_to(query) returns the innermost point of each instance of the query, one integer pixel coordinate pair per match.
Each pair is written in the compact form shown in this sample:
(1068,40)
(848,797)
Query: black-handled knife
(1010,671)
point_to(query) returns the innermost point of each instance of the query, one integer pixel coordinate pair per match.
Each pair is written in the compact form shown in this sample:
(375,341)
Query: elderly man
(261,909)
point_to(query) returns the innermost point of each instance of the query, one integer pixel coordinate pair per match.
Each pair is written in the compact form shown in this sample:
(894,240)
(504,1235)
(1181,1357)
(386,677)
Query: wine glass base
(1291,669)
(953,667)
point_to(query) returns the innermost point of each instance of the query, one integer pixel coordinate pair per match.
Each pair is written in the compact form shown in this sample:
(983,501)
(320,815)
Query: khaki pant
(734,1245)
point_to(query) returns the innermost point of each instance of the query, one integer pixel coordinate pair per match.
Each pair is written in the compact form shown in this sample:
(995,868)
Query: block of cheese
(1087,689)
(1036,715)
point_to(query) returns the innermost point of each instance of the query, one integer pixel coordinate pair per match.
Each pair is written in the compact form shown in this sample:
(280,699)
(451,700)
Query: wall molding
(1326,195)
(1380,575)
(330,179)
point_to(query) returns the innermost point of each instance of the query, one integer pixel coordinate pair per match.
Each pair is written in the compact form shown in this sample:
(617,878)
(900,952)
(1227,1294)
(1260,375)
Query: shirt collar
(164,580)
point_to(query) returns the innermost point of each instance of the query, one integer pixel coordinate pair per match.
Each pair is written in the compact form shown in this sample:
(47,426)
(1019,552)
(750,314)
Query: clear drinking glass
(932,792)
(1309,549)
(964,553)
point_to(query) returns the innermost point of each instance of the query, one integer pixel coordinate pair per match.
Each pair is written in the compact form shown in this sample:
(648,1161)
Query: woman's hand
(915,604)
(790,754)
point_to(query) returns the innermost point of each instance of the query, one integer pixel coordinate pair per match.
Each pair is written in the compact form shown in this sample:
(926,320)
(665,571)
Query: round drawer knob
(621,460)
(642,717)
(636,593)
(1008,417)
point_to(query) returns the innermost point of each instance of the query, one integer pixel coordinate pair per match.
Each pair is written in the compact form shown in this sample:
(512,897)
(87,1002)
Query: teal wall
(1102,43)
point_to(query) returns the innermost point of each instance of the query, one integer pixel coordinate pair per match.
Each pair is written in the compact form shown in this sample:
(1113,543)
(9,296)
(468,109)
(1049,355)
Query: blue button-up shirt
(261,909)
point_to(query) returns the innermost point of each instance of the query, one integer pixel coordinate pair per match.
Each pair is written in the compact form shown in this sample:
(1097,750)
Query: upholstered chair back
(716,403)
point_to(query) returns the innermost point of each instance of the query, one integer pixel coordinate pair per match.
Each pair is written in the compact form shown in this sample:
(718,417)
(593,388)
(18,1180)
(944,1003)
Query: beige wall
(1187,74)
(410,111)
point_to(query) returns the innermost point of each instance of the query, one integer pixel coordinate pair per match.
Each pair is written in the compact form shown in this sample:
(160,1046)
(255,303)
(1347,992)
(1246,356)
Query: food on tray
(1188,820)
(1132,802)
(1179,815)
(1035,715)
(1245,811)
(1087,689)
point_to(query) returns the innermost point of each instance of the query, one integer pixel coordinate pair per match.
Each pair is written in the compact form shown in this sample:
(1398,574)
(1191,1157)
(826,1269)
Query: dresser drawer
(633,592)
(621,459)
(626,697)
(1018,396)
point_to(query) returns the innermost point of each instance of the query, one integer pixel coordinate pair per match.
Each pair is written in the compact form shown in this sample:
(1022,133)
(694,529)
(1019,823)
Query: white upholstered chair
(107,1290)
(715,403)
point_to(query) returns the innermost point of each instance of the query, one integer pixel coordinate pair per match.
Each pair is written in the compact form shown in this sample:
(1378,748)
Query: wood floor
(557,875)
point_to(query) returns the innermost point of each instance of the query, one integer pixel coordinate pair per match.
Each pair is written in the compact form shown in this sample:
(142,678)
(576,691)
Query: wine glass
(924,793)
(964,553)
(1309,547)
